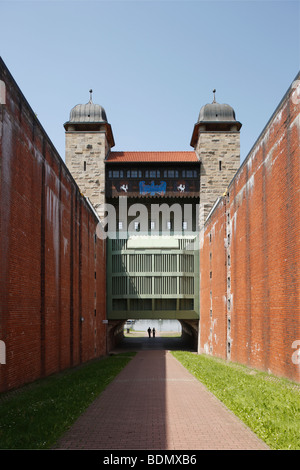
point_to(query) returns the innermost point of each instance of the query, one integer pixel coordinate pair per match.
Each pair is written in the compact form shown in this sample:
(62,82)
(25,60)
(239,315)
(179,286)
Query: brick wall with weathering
(213,288)
(52,265)
(250,254)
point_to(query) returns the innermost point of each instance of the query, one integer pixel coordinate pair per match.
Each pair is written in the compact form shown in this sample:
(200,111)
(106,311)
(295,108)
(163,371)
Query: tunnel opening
(137,334)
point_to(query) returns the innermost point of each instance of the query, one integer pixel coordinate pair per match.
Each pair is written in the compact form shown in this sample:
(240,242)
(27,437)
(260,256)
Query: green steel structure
(153,277)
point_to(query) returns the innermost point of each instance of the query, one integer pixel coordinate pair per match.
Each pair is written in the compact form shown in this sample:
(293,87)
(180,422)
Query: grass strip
(35,416)
(268,405)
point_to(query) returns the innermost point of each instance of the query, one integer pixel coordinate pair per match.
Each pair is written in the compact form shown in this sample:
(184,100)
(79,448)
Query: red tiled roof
(121,157)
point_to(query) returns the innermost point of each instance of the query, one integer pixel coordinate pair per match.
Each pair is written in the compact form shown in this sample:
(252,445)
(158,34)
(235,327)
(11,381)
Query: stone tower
(89,139)
(216,140)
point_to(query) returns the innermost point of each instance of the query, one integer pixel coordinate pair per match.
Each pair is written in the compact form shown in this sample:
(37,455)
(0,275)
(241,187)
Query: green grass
(35,416)
(268,405)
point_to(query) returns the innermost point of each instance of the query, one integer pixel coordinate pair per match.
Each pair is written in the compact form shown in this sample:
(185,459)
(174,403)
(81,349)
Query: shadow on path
(156,404)
(140,343)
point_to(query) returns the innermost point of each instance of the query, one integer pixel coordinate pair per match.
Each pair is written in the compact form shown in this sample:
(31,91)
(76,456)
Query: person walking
(153,332)
(149,332)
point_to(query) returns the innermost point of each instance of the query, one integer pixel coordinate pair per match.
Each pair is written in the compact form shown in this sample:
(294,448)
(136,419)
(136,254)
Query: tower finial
(91,91)
(214,92)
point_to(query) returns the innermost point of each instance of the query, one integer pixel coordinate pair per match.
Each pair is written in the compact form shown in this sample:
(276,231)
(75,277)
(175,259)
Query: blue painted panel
(152,188)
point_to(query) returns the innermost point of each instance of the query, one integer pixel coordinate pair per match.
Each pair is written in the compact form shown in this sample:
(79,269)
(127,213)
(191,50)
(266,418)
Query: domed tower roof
(215,117)
(89,112)
(89,117)
(216,112)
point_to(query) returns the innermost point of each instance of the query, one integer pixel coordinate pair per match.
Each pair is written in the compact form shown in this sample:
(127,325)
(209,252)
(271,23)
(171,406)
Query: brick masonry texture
(250,254)
(219,153)
(52,266)
(85,155)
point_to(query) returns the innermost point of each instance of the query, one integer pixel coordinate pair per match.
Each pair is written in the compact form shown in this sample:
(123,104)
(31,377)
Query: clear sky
(152,64)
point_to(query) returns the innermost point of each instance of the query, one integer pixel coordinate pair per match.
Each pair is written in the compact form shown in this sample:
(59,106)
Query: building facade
(68,282)
(152,205)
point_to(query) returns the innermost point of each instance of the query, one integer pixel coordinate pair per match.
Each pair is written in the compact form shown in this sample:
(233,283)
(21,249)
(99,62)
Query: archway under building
(132,334)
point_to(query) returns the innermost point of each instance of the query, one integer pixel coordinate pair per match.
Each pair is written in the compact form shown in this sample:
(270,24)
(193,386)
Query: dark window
(134,173)
(189,174)
(153,173)
(170,173)
(116,174)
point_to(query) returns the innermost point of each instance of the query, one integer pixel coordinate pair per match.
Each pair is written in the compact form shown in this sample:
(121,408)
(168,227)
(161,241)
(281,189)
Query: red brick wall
(51,265)
(213,285)
(263,203)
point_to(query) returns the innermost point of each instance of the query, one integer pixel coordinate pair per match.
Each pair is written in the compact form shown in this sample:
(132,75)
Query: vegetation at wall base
(268,405)
(36,415)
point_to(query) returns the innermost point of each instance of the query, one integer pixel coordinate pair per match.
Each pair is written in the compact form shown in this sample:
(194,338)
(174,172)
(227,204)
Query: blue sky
(152,64)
